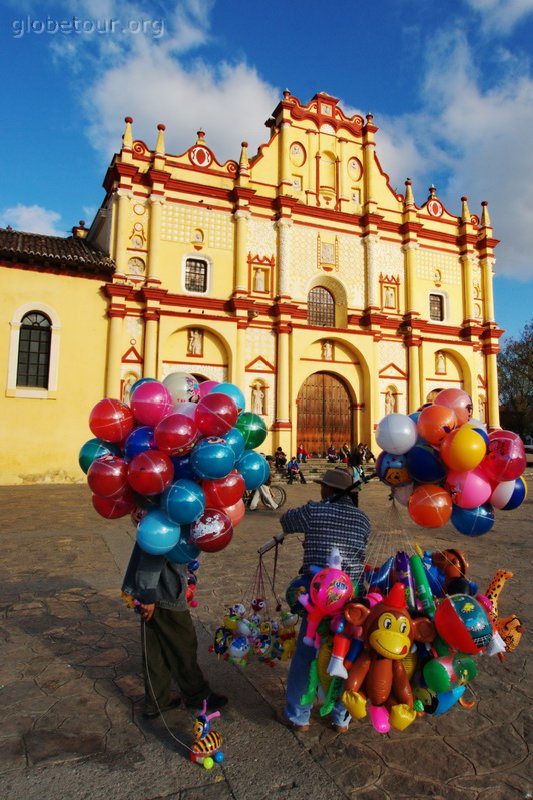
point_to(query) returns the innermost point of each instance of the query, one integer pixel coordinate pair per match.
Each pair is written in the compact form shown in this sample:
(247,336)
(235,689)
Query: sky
(450,86)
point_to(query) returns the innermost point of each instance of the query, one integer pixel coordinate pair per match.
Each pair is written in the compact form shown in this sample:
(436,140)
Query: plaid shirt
(331,524)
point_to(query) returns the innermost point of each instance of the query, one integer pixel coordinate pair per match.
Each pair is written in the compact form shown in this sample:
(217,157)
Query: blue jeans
(298,684)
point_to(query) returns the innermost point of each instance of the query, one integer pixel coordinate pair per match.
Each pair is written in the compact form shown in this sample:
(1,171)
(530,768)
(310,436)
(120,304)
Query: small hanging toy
(205,748)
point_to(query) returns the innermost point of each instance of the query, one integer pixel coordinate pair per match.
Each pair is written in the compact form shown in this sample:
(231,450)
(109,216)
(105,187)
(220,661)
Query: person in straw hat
(334,522)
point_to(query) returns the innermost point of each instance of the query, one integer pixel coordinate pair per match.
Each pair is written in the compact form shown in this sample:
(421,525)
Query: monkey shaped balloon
(378,674)
(330,589)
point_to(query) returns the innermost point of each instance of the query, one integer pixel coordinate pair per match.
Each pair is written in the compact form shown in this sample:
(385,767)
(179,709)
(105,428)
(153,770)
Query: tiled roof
(70,253)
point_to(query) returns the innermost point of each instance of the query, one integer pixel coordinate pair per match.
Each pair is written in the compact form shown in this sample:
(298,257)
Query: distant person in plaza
(294,472)
(301,454)
(280,458)
(168,637)
(345,452)
(331,454)
(333,522)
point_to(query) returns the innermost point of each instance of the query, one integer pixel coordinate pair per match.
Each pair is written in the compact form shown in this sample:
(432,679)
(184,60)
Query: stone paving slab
(72,691)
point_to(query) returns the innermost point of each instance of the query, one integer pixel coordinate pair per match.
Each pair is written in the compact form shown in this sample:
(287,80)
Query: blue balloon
(95,448)
(254,469)
(381,577)
(232,391)
(235,440)
(157,534)
(424,464)
(183,468)
(139,440)
(212,458)
(392,469)
(183,552)
(183,501)
(473,521)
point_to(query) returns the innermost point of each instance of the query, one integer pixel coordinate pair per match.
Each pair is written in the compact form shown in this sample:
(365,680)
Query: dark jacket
(155,579)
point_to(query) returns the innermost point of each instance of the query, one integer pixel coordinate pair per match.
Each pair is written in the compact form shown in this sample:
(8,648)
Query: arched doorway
(325,413)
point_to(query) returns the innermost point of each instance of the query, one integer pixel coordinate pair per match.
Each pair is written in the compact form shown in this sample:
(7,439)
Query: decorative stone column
(283,377)
(122,202)
(114,352)
(151,324)
(466,262)
(410,251)
(284,226)
(156,205)
(370,244)
(241,217)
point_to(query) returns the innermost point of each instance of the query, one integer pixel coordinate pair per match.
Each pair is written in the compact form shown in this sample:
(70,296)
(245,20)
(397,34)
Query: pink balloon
(459,401)
(206,386)
(151,402)
(468,489)
(235,512)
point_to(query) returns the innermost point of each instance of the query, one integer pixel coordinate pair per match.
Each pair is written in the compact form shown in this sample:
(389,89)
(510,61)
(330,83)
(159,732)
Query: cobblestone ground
(71,690)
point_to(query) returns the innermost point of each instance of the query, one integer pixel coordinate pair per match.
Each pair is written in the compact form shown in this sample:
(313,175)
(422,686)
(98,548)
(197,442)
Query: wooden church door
(325,413)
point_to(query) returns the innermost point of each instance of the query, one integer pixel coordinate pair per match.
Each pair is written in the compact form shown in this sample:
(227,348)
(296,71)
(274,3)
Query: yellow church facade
(297,273)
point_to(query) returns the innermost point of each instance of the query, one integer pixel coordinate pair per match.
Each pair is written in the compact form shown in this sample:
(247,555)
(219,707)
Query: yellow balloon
(463,449)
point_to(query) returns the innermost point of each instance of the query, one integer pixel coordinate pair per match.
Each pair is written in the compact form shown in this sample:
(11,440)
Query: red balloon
(430,506)
(114,507)
(235,512)
(224,491)
(176,434)
(150,472)
(435,422)
(111,420)
(216,414)
(107,476)
(459,401)
(506,456)
(212,531)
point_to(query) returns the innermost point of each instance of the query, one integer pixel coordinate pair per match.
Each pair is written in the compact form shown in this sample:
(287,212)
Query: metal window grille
(195,275)
(436,307)
(34,350)
(321,308)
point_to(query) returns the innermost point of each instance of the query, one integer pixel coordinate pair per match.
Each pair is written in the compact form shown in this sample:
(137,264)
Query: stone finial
(127,137)
(465,211)
(432,191)
(485,216)
(200,136)
(409,197)
(160,142)
(243,160)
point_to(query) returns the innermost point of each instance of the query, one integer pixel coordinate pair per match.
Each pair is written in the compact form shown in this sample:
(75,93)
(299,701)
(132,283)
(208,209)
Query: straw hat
(337,478)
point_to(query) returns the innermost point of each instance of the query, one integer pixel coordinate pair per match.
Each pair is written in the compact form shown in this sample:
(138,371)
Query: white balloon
(396,433)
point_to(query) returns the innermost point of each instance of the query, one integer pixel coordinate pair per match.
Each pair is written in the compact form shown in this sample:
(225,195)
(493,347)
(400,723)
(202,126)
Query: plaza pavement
(71,692)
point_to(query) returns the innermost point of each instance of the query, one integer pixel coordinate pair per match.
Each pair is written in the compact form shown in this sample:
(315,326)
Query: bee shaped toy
(206,746)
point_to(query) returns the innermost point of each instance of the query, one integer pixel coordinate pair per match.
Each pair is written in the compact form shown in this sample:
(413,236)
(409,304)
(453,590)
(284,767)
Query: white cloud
(32,218)
(501,16)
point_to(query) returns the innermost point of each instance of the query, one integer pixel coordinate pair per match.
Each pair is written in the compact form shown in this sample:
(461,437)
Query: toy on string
(258,628)
(205,748)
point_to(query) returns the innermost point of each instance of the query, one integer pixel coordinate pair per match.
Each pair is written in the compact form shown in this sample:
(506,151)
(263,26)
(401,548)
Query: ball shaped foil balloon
(459,401)
(183,388)
(111,420)
(212,532)
(150,402)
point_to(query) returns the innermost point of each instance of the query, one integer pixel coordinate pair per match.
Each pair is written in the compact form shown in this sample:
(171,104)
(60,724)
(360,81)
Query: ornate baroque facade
(265,271)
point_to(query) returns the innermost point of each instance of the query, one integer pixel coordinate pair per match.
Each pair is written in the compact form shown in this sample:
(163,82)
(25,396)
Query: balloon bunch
(178,458)
(444,466)
(253,634)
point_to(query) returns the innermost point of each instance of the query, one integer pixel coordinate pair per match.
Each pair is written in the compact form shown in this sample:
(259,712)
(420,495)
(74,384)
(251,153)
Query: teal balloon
(183,501)
(254,469)
(253,429)
(183,552)
(235,440)
(93,449)
(157,534)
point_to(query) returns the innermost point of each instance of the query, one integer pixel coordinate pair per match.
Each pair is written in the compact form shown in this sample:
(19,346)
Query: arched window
(33,361)
(321,308)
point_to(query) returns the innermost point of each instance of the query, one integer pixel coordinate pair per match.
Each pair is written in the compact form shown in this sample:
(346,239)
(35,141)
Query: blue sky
(450,85)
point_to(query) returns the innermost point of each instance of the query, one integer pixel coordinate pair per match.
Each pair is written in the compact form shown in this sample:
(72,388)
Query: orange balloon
(235,512)
(435,422)
(463,449)
(459,401)
(430,506)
